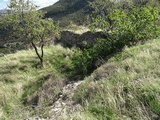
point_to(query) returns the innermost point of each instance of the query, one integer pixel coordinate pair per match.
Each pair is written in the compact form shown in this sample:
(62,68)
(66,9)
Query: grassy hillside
(22,81)
(67,11)
(127,86)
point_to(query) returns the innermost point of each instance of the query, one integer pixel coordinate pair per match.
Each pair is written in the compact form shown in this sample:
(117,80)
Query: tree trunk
(39,56)
(42,52)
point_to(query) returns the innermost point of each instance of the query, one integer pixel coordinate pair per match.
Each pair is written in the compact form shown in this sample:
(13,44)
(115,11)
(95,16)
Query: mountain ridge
(67,11)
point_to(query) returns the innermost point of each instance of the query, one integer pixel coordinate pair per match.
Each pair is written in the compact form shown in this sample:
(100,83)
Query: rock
(2,54)
(65,106)
(85,40)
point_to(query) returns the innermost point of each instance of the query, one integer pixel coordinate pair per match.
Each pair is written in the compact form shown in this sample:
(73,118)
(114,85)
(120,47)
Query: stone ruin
(71,39)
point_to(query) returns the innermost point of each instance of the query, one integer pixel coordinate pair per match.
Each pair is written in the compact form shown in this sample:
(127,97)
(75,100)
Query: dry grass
(77,29)
(126,87)
(21,78)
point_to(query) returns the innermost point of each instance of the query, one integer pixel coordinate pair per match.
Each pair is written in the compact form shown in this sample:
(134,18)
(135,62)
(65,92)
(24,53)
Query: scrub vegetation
(118,77)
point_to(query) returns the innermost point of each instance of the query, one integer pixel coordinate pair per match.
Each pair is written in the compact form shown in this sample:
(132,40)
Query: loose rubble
(64,106)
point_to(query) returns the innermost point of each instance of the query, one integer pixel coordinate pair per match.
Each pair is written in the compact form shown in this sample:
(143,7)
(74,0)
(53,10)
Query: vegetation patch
(130,92)
(23,82)
(126,86)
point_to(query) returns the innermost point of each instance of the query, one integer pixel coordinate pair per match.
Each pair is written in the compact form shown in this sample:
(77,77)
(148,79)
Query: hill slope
(127,86)
(23,81)
(69,11)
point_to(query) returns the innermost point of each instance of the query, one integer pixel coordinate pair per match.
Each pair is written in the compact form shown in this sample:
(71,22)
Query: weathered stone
(85,40)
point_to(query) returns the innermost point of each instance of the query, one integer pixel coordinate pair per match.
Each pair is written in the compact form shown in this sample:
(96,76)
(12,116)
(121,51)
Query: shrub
(127,29)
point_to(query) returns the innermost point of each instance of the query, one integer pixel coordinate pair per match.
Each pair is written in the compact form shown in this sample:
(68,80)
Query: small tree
(25,22)
(126,25)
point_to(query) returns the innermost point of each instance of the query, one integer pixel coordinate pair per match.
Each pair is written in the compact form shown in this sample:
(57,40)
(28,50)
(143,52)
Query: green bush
(127,29)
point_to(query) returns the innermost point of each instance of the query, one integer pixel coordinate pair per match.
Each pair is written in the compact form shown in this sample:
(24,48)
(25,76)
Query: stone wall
(71,39)
(13,44)
(68,39)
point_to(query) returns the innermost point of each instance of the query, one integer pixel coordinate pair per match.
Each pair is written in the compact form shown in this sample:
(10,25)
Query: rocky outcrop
(14,44)
(65,105)
(71,39)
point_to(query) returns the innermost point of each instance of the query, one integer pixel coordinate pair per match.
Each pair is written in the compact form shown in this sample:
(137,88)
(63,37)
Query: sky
(41,3)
